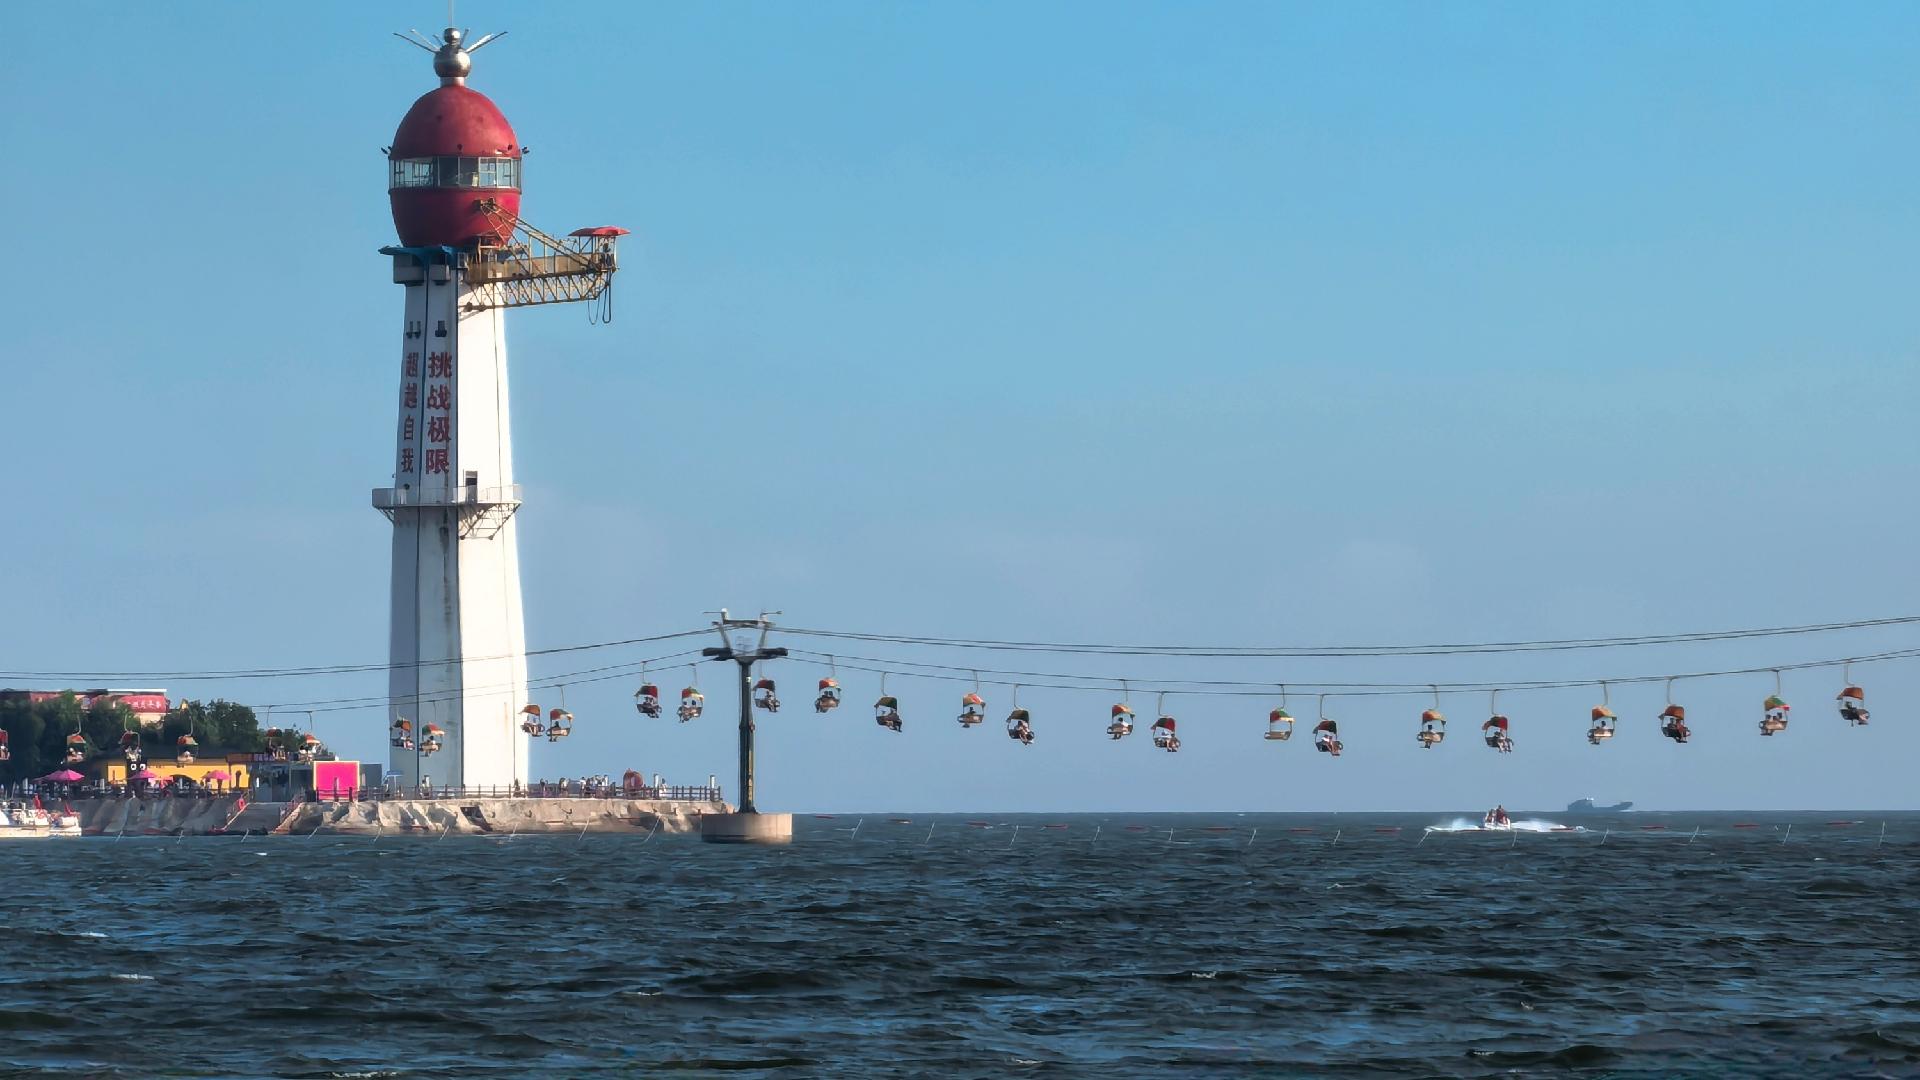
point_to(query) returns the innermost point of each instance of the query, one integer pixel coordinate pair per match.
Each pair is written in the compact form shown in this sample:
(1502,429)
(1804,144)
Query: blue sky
(1243,324)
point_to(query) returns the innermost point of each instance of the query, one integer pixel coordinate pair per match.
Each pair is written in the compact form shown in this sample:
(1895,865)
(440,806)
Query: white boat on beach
(21,822)
(18,821)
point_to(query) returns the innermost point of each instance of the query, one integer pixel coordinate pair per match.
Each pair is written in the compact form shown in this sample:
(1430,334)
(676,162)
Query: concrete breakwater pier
(228,815)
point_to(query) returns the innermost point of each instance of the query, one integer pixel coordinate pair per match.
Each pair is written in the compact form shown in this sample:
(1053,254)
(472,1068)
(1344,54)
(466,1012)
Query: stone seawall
(199,817)
(161,817)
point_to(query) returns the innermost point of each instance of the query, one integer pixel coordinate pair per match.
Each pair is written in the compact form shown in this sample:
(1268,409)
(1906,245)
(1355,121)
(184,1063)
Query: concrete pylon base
(746,828)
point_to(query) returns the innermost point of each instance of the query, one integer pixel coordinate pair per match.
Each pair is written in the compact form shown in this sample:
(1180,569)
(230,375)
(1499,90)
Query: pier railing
(610,792)
(664,793)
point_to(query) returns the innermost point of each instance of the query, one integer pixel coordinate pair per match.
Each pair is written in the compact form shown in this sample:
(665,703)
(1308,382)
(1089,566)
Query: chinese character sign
(439,414)
(406,465)
(424,454)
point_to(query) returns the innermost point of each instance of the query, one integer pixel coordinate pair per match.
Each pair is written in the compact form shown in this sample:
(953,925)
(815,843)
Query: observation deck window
(455,172)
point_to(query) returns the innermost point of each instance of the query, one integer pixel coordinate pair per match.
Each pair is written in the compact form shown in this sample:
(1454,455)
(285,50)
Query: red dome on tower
(453,150)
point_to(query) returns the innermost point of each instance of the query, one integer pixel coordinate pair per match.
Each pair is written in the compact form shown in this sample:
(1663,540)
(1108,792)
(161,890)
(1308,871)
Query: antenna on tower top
(452,56)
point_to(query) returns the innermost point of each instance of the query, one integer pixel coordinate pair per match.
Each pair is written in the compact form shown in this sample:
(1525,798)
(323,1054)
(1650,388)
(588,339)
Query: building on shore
(149,706)
(234,772)
(269,776)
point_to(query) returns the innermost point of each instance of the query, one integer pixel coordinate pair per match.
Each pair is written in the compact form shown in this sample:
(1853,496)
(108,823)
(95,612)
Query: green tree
(62,716)
(104,724)
(218,726)
(37,733)
(26,730)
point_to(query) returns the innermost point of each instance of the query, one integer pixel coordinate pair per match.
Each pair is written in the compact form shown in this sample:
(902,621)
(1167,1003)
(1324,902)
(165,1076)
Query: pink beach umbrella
(219,774)
(64,776)
(146,774)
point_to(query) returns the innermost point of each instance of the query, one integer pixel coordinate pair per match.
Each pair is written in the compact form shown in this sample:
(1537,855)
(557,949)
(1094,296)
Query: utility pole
(745,658)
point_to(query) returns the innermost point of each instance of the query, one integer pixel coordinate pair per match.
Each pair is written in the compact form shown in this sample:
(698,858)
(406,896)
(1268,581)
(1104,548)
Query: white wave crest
(1529,825)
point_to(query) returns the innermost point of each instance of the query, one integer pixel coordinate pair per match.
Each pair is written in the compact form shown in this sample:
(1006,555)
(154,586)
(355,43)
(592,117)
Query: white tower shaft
(458,644)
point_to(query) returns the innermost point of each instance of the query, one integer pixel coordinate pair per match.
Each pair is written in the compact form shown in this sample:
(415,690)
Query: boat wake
(1528,825)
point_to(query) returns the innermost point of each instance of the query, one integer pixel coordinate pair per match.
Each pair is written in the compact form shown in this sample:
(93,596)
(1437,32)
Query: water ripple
(972,952)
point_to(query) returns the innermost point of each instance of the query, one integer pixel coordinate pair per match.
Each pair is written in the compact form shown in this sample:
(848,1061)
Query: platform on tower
(482,510)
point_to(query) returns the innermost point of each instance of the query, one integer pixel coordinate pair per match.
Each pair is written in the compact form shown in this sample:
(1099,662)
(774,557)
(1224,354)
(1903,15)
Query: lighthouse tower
(457,640)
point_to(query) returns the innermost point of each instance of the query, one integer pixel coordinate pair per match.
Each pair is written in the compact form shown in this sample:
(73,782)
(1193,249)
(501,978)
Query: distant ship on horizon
(1587,806)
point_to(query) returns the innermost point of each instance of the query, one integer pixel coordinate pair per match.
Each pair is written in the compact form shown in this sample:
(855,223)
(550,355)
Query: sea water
(980,945)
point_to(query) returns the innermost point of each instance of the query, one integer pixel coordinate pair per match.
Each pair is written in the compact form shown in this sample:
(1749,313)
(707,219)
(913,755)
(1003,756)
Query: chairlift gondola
(1019,721)
(763,696)
(559,724)
(1326,733)
(886,711)
(183,748)
(647,698)
(430,740)
(692,701)
(1280,721)
(1673,719)
(1120,717)
(532,724)
(402,735)
(1852,699)
(829,698)
(1165,736)
(1601,728)
(692,704)
(1433,725)
(1326,738)
(973,707)
(1774,720)
(1495,729)
(1853,706)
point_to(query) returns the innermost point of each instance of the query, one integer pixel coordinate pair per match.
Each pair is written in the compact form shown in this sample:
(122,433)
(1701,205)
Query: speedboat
(19,821)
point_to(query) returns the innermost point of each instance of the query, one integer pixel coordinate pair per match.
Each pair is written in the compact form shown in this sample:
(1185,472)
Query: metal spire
(452,57)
